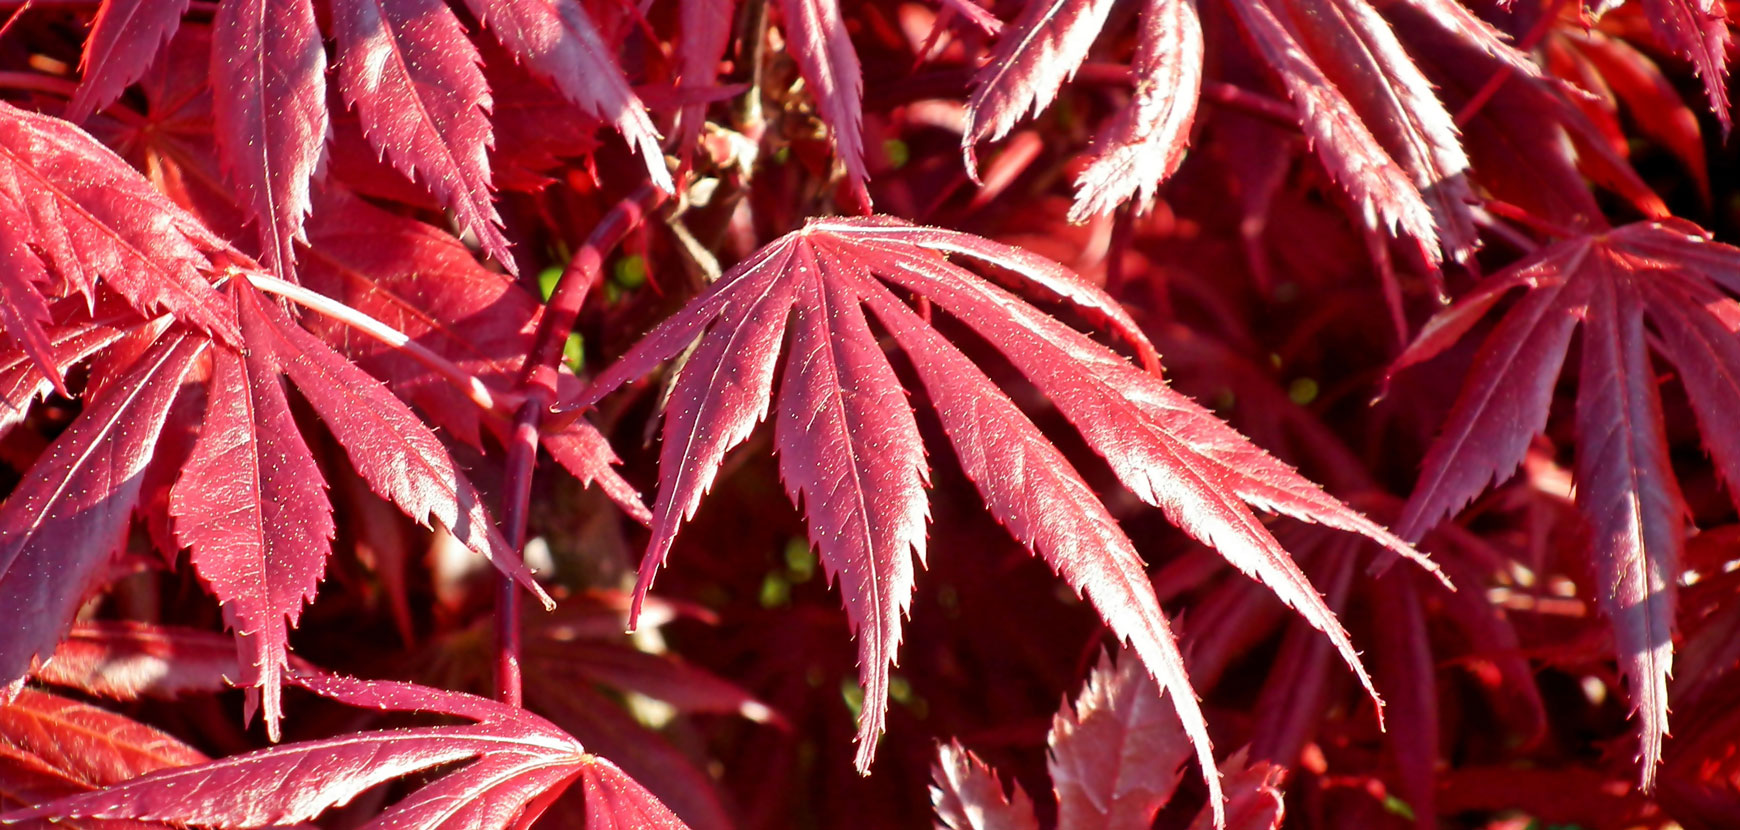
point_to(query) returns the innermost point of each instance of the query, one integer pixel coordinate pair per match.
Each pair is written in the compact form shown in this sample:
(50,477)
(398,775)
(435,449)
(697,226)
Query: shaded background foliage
(1271,300)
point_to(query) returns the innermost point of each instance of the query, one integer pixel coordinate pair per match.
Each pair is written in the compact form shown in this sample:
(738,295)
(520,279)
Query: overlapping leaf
(389,447)
(1697,29)
(408,68)
(559,43)
(518,763)
(251,505)
(269,103)
(1117,756)
(427,285)
(89,217)
(123,660)
(52,747)
(1146,141)
(125,37)
(1371,115)
(850,451)
(71,511)
(1668,274)
(829,64)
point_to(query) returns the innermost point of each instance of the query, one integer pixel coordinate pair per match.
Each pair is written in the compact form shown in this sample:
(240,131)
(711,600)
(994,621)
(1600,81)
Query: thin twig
(537,390)
(38,82)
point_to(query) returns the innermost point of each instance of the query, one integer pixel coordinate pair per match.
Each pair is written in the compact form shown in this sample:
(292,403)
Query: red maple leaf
(850,450)
(518,764)
(1116,758)
(1668,274)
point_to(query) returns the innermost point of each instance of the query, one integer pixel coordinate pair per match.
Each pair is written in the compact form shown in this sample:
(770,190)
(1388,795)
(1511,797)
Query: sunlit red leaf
(92,217)
(830,66)
(393,451)
(1146,142)
(1117,754)
(251,504)
(1383,192)
(412,74)
(558,42)
(516,759)
(1142,428)
(968,796)
(52,747)
(269,103)
(1698,30)
(1034,56)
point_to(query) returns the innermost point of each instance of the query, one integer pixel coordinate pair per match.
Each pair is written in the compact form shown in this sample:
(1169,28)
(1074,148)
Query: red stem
(1523,217)
(538,377)
(37,82)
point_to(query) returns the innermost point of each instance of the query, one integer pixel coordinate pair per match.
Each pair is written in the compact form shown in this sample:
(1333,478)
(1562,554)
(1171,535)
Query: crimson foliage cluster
(1336,403)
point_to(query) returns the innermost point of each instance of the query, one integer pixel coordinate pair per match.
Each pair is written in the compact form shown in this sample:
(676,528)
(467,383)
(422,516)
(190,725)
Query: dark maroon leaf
(426,285)
(1667,273)
(59,528)
(125,38)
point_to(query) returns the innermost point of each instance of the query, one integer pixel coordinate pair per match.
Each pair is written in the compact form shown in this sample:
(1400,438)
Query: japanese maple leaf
(558,42)
(427,285)
(1370,113)
(71,512)
(251,505)
(125,660)
(412,74)
(850,451)
(251,502)
(1670,275)
(515,764)
(268,78)
(1116,758)
(1698,30)
(70,205)
(52,747)
(125,37)
(407,66)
